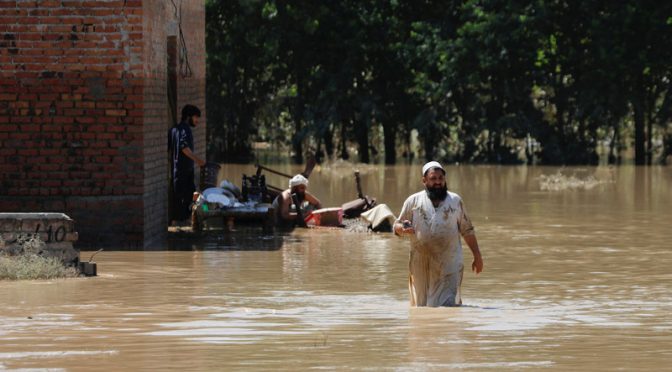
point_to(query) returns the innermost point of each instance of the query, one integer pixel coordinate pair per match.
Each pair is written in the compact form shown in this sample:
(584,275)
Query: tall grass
(30,266)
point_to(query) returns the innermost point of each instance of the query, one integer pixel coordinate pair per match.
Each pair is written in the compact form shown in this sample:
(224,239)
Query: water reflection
(248,238)
(575,279)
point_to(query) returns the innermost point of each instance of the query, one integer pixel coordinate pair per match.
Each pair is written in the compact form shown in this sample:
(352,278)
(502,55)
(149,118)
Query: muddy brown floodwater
(577,277)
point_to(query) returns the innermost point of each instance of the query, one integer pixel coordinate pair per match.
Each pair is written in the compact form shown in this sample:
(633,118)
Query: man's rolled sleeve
(465,225)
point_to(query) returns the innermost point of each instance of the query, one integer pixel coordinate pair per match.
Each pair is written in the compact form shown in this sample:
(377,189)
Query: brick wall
(83,112)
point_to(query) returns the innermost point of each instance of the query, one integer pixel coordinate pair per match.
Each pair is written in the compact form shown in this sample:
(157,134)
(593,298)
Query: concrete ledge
(56,230)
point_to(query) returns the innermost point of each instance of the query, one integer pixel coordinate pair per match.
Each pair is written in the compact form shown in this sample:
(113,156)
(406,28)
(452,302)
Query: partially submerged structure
(43,234)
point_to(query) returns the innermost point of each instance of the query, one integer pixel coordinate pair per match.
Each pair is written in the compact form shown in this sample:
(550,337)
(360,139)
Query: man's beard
(437,193)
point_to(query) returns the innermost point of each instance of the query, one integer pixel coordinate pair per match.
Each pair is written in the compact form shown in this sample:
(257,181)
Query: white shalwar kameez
(435,263)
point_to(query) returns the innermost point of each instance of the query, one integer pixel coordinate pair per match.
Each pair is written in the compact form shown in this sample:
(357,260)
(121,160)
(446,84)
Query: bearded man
(288,201)
(435,219)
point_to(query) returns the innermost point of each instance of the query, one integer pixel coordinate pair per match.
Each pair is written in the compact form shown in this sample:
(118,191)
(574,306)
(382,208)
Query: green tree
(474,78)
(241,62)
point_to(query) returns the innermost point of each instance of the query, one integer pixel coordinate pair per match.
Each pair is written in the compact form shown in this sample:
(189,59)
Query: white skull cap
(298,180)
(430,165)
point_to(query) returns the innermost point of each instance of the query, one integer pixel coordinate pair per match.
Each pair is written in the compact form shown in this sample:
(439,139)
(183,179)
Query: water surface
(575,278)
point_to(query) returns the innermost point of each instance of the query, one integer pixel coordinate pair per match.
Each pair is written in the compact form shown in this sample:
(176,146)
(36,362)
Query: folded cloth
(219,199)
(219,195)
(231,188)
(378,215)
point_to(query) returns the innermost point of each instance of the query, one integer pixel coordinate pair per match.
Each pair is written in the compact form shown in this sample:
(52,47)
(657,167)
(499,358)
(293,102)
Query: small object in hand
(407,224)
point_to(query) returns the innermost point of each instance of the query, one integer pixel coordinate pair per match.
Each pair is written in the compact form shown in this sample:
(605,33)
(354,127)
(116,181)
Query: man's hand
(200,162)
(477,265)
(404,228)
(472,242)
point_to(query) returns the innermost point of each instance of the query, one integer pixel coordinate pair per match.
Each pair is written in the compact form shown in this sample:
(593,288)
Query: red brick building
(88,91)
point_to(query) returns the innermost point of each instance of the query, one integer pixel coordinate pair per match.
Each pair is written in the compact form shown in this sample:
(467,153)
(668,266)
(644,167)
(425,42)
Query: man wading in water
(435,218)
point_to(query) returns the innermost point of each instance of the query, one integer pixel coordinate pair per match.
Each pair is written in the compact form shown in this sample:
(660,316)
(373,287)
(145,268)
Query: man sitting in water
(294,197)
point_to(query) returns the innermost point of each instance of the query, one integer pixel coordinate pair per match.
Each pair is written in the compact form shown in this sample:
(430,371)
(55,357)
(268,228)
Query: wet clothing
(435,262)
(179,138)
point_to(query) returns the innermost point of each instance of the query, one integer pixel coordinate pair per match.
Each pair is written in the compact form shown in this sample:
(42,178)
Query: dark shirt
(180,137)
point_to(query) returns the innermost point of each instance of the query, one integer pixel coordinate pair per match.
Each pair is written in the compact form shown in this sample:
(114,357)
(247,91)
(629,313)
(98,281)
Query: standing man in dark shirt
(181,150)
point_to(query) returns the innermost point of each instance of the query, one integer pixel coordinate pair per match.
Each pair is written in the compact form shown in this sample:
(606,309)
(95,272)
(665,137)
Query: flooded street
(577,276)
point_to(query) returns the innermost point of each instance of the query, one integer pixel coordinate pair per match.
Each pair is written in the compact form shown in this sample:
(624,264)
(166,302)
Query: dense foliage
(475,81)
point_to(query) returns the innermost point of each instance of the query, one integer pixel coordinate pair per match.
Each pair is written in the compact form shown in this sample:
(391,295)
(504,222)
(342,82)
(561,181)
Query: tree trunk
(494,148)
(612,158)
(638,110)
(649,133)
(230,130)
(390,134)
(560,122)
(297,140)
(363,142)
(428,142)
(469,144)
(328,142)
(343,144)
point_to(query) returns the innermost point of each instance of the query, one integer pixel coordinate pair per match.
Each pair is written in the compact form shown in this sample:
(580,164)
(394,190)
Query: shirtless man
(286,215)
